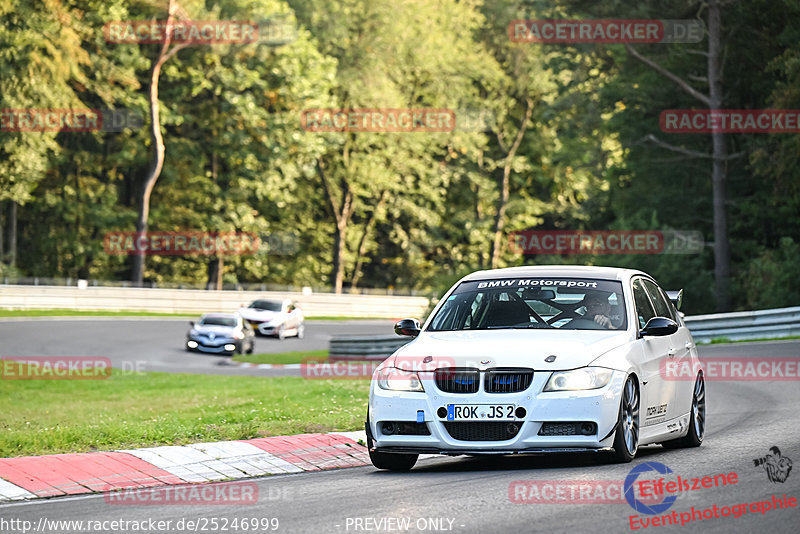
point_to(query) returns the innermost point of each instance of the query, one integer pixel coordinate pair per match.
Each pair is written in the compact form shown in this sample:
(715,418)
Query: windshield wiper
(519,326)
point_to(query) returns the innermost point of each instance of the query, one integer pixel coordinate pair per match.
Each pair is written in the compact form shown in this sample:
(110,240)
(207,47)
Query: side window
(474,308)
(663,309)
(672,309)
(644,309)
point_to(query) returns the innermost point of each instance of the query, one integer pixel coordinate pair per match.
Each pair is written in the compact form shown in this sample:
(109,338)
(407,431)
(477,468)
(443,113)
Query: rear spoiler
(676,297)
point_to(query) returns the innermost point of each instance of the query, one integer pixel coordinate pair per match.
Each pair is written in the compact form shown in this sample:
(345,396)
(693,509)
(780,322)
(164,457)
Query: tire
(393,462)
(281,332)
(252,347)
(626,437)
(301,331)
(697,419)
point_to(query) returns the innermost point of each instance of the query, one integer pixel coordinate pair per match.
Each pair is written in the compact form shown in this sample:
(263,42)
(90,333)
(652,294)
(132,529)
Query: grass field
(147,409)
(299,356)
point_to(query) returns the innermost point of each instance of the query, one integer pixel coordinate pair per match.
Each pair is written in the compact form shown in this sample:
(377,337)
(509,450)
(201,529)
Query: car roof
(221,315)
(551,271)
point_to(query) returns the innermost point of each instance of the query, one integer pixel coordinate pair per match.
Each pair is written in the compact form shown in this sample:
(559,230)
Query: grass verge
(724,340)
(299,356)
(148,409)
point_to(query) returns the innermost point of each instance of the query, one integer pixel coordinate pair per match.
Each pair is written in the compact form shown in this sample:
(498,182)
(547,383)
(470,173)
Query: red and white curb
(32,477)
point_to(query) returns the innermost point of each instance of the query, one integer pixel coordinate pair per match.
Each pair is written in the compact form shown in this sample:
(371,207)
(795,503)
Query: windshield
(563,303)
(218,321)
(268,305)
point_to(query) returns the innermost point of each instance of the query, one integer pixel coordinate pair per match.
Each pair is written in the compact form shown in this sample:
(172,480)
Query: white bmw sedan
(539,360)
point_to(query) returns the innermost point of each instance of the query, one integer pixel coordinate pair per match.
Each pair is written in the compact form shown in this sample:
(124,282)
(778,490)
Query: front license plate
(480,412)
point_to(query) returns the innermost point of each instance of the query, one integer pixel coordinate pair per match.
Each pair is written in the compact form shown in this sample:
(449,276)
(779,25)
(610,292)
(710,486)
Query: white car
(279,318)
(538,360)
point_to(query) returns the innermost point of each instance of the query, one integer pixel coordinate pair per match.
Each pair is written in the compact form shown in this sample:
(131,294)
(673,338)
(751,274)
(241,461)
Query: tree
(719,156)
(157,140)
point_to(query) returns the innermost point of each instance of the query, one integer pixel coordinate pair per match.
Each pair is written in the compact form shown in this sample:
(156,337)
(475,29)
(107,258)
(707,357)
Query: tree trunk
(2,237)
(362,245)
(502,202)
(341,214)
(12,234)
(157,141)
(722,258)
(719,154)
(338,256)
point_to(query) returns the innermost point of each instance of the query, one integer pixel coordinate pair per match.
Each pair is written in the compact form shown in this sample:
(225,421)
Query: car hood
(259,315)
(507,348)
(217,330)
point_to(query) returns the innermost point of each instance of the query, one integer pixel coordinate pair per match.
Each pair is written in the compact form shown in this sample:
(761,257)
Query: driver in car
(598,309)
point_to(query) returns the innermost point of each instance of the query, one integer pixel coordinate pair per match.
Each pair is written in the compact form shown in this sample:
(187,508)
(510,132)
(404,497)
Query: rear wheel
(626,438)
(697,419)
(301,331)
(393,462)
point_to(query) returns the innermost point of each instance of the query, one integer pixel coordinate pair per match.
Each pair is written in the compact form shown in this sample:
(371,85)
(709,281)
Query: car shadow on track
(525,462)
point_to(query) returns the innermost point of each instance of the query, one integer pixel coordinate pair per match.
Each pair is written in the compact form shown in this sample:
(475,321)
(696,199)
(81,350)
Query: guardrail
(16,297)
(782,322)
(364,347)
(777,323)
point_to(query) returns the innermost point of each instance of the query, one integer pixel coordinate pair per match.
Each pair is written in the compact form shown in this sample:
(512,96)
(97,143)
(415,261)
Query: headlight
(398,380)
(577,379)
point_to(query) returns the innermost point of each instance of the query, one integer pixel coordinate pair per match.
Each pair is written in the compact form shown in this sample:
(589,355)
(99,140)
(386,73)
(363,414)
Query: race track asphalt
(745,419)
(158,344)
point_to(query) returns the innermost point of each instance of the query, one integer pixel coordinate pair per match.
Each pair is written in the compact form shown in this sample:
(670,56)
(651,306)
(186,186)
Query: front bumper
(215,347)
(598,406)
(267,329)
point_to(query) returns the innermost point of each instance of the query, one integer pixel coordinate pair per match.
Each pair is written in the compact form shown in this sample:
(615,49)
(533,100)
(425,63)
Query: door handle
(689,346)
(671,353)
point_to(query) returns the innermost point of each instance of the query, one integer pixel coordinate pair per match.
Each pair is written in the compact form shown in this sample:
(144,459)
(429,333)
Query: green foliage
(421,206)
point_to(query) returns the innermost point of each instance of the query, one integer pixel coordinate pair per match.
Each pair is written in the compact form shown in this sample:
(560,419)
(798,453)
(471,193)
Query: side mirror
(407,327)
(659,326)
(191,323)
(676,297)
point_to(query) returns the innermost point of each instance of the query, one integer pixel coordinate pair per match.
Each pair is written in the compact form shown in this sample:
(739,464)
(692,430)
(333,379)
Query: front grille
(568,429)
(507,380)
(457,380)
(480,431)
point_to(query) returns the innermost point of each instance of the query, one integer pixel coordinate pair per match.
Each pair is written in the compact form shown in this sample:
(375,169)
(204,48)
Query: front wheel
(393,462)
(626,438)
(697,419)
(301,331)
